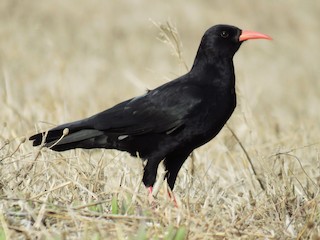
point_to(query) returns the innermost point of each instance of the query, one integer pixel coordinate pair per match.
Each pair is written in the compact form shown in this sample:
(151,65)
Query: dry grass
(65,60)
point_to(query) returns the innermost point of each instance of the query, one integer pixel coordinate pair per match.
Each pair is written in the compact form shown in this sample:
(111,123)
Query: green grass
(2,234)
(67,60)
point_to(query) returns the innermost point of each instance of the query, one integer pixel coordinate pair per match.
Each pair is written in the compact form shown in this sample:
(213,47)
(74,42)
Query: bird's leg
(150,172)
(150,196)
(172,197)
(173,163)
(150,190)
(149,176)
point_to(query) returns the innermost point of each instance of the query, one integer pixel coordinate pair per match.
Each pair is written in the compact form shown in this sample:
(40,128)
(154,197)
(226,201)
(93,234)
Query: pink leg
(150,196)
(173,198)
(150,190)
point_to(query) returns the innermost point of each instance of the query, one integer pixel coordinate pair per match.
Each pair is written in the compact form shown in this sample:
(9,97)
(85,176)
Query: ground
(65,60)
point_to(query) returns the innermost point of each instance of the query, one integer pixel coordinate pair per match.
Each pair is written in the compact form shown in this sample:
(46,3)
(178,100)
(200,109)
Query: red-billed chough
(169,122)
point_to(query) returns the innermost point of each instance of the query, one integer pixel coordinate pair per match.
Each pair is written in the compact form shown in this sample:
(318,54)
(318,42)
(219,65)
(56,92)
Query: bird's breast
(210,118)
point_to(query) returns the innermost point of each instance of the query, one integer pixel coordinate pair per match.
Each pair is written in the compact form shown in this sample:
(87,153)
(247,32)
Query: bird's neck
(214,70)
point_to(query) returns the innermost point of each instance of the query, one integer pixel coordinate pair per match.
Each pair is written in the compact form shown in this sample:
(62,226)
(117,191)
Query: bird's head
(225,40)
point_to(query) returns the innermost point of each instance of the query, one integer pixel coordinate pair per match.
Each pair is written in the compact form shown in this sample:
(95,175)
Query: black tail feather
(59,139)
(51,136)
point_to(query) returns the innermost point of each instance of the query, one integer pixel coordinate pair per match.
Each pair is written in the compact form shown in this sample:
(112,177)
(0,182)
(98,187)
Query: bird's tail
(69,136)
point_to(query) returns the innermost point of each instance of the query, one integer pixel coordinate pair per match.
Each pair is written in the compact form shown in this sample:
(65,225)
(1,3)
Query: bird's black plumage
(169,122)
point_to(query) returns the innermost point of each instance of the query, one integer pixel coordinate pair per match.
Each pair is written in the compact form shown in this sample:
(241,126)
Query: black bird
(169,122)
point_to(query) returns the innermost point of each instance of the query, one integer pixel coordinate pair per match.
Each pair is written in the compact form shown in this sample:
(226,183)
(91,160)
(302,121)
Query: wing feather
(160,110)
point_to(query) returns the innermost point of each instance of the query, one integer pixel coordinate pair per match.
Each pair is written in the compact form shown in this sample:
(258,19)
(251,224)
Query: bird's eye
(224,34)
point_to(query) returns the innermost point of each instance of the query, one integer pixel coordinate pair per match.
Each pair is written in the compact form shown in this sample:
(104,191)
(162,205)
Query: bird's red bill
(246,35)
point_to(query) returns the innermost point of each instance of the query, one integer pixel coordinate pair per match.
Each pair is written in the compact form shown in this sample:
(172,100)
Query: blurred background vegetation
(65,60)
